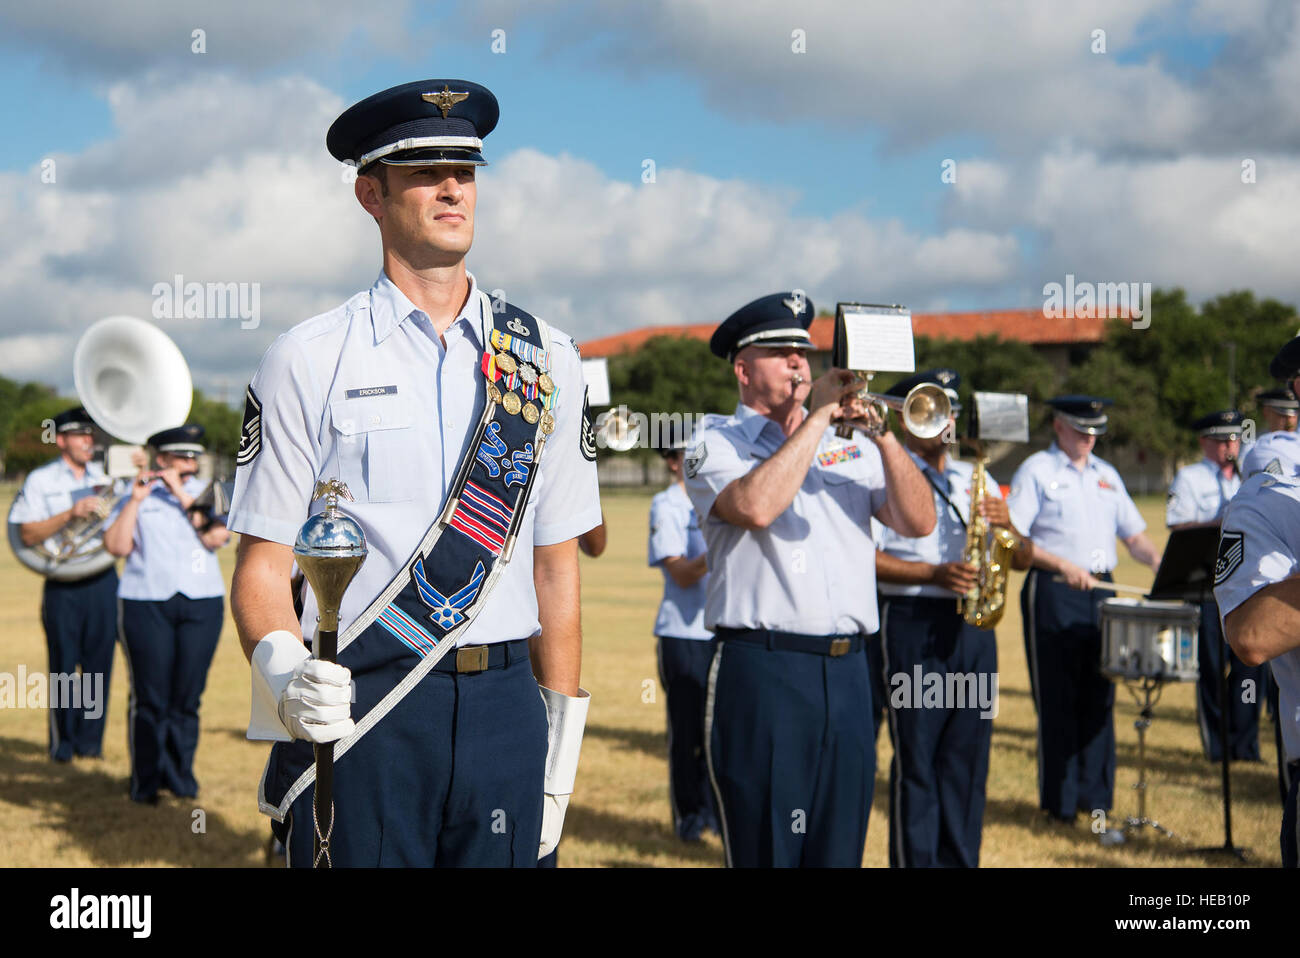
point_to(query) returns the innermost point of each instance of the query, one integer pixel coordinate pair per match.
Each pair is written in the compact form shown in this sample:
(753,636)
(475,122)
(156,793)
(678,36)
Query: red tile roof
(1025,325)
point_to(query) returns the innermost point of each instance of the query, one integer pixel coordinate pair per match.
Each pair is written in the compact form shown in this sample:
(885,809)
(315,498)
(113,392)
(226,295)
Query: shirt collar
(1063,460)
(752,421)
(91,470)
(390,307)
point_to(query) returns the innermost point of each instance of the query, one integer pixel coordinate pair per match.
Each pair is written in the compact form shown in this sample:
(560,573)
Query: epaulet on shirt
(327,322)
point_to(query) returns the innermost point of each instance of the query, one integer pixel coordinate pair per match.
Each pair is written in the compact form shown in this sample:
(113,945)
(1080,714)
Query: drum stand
(1147,701)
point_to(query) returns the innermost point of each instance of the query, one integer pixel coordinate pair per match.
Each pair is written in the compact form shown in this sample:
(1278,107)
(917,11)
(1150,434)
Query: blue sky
(611,118)
(776,169)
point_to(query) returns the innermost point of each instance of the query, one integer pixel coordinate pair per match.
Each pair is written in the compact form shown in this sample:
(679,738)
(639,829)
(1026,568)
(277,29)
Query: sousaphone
(134,382)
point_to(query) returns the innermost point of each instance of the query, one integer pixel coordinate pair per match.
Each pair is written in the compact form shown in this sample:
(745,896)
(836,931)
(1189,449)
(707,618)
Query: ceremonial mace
(330,549)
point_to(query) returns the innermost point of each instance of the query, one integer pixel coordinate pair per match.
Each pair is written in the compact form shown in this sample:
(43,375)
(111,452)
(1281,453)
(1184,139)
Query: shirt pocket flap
(351,417)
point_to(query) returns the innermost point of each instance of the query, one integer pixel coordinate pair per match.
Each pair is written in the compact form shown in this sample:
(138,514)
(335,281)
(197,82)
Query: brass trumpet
(926,410)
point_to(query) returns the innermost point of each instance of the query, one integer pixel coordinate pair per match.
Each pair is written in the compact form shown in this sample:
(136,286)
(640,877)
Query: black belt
(469,659)
(832,645)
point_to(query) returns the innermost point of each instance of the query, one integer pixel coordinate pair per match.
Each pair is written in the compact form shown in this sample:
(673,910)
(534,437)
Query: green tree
(1169,374)
(671,374)
(220,421)
(30,425)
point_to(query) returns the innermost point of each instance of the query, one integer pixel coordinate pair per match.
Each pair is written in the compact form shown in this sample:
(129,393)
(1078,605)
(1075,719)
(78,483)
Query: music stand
(1186,573)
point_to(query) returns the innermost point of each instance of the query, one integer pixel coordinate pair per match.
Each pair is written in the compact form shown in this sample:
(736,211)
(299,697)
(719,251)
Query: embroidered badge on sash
(250,434)
(1232,552)
(446,612)
(833,457)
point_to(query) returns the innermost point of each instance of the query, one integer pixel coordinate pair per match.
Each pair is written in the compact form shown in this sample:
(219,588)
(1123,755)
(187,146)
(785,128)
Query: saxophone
(989,550)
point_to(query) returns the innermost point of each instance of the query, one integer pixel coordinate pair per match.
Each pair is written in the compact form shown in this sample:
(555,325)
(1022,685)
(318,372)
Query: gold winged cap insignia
(444,99)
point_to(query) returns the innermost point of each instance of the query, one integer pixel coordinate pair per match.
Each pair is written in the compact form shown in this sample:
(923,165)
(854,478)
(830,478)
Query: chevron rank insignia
(1232,551)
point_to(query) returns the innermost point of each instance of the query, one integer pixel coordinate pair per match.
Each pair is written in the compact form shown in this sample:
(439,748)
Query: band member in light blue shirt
(685,647)
(941,747)
(79,615)
(466,758)
(786,506)
(172,601)
(1073,505)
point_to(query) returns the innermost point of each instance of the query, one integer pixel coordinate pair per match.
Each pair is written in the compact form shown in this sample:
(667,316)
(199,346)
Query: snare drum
(1141,639)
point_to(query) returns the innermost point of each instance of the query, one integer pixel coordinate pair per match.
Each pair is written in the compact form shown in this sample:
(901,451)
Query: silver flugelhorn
(134,382)
(925,410)
(619,430)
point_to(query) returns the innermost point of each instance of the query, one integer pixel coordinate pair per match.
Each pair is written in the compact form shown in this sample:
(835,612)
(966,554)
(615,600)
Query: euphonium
(989,550)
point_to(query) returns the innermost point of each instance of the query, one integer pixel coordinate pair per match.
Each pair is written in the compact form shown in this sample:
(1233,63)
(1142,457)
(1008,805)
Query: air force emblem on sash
(447,612)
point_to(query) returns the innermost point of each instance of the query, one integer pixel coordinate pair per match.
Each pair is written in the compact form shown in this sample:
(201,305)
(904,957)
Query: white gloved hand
(553,809)
(566,717)
(296,696)
(317,702)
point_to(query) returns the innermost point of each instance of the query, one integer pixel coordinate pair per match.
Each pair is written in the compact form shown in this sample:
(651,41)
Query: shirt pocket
(374,445)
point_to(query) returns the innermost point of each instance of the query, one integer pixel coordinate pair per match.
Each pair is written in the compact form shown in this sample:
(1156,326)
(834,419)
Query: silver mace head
(330,549)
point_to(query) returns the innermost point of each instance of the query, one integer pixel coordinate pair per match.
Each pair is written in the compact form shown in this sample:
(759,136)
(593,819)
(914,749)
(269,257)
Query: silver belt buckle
(840,647)
(472,658)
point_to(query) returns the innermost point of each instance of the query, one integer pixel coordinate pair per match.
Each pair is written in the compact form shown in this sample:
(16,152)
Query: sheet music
(878,341)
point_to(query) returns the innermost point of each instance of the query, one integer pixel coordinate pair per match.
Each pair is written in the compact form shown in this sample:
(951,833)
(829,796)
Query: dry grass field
(79,814)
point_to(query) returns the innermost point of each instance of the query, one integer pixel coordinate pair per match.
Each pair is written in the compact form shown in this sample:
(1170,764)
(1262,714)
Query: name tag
(370,391)
(833,457)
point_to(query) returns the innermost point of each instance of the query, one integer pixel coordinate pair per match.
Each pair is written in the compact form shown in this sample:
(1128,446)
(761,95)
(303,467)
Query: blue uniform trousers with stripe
(1076,727)
(684,674)
(169,645)
(1291,819)
(1243,717)
(451,776)
(941,753)
(80,620)
(876,666)
(791,752)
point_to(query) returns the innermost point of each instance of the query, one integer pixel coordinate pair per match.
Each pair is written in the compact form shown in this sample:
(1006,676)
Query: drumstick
(1116,586)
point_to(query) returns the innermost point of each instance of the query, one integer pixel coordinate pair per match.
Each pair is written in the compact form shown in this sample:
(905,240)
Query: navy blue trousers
(1243,717)
(452,776)
(791,754)
(684,674)
(1290,837)
(1076,727)
(169,646)
(80,620)
(876,666)
(941,754)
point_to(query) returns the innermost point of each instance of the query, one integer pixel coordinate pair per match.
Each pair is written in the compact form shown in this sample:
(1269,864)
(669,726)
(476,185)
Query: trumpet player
(1200,493)
(80,617)
(941,742)
(785,507)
